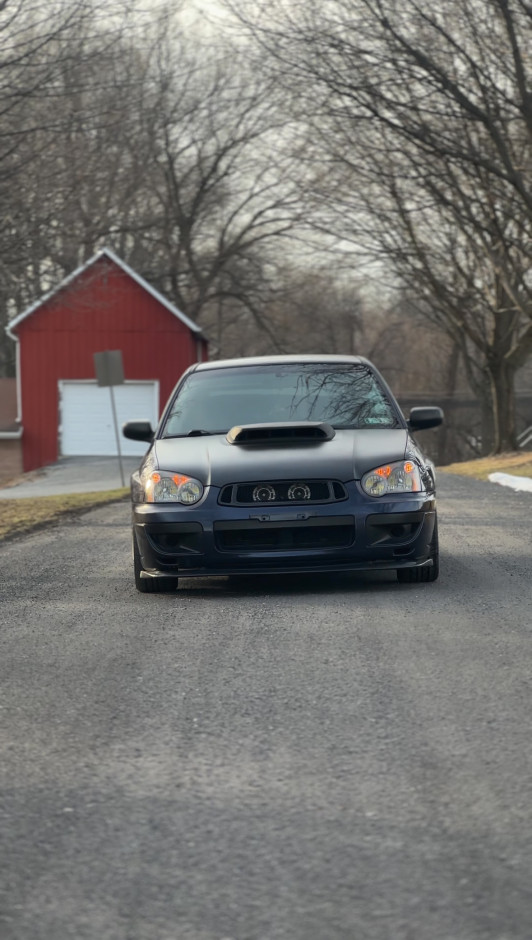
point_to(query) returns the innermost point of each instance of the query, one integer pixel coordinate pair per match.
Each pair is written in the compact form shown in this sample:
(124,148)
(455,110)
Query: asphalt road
(308,759)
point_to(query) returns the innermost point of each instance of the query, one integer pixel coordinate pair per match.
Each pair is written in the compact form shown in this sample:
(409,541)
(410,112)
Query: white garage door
(86,419)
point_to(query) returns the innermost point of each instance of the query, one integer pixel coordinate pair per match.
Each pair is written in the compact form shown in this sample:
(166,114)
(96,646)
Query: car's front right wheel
(150,585)
(419,575)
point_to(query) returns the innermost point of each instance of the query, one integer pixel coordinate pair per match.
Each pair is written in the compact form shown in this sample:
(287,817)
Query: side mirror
(138,431)
(422,418)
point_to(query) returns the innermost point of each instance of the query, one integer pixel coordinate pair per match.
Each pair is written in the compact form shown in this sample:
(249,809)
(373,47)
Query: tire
(150,585)
(419,575)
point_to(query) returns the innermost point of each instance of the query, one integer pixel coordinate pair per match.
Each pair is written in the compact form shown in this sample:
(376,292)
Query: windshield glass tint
(346,396)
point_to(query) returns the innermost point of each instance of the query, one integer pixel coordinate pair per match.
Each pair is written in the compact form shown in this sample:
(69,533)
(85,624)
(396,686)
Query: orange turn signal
(179,478)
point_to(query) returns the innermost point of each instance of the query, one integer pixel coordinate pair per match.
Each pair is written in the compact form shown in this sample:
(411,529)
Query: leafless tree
(217,193)
(423,114)
(51,57)
(166,148)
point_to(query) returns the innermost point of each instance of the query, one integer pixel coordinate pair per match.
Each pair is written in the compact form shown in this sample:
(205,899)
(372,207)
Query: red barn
(104,305)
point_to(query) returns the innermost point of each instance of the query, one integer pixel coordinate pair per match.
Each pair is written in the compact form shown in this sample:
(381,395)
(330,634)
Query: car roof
(280,360)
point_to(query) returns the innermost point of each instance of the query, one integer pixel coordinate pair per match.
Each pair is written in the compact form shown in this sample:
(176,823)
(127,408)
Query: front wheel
(418,575)
(150,585)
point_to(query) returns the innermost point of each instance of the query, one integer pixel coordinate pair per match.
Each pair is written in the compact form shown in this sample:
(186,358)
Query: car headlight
(164,487)
(400,477)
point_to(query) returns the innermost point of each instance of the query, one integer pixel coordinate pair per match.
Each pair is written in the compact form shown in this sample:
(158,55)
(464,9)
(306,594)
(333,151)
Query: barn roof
(105,253)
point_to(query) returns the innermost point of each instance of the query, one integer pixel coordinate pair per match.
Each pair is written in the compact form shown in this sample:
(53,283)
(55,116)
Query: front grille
(252,536)
(281,492)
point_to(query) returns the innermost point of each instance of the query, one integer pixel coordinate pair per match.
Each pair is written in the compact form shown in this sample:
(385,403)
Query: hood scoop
(293,432)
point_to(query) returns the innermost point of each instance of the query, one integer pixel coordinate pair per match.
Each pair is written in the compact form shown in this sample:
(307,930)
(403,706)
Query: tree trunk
(502,377)
(450,388)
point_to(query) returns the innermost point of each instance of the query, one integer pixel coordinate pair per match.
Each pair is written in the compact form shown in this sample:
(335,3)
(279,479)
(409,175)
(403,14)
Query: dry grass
(22,515)
(518,464)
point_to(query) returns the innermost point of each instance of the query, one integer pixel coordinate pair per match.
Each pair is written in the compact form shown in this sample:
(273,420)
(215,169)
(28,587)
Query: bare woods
(349,176)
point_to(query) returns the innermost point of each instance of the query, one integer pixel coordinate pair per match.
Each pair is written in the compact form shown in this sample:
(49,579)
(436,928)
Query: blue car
(283,464)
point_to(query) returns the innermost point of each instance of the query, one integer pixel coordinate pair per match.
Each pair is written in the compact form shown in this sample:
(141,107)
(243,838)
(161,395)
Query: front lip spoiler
(392,565)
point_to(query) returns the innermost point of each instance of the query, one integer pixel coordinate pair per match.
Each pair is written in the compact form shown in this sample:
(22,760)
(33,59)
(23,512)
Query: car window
(346,396)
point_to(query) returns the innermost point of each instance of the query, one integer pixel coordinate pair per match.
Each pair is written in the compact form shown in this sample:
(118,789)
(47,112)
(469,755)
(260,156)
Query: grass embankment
(516,464)
(22,515)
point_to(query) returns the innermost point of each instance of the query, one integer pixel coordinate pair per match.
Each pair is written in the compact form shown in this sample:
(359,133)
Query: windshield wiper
(394,423)
(196,432)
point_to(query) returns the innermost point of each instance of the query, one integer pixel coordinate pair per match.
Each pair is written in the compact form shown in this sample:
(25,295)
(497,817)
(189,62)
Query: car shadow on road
(294,584)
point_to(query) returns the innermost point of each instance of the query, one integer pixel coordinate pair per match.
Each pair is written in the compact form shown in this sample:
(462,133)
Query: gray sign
(109,368)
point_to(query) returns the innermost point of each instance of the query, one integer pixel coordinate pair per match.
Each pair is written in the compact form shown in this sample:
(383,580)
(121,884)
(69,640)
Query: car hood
(215,461)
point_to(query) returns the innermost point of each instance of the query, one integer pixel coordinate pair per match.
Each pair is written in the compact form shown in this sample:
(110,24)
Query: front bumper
(355,534)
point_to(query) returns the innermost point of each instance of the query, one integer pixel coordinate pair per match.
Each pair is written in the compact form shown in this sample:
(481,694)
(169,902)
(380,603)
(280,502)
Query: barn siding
(104,308)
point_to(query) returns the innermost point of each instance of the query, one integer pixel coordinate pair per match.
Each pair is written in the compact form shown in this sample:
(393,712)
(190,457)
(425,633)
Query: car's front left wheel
(150,585)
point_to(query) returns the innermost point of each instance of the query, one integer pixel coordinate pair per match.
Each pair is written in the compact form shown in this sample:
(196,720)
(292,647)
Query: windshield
(344,395)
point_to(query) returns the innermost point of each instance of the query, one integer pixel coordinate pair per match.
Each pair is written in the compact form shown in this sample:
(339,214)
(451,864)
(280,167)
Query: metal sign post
(110,372)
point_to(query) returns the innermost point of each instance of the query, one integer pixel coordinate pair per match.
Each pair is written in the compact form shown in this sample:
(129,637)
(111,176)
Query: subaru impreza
(282,465)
